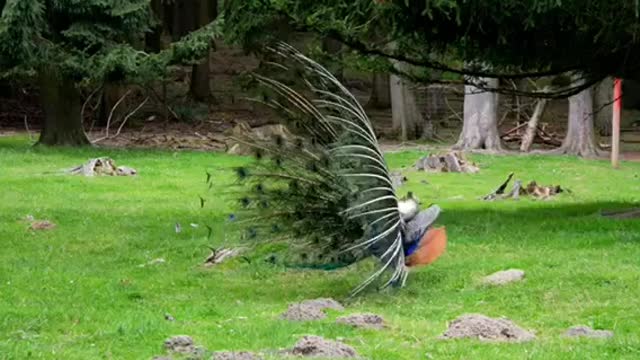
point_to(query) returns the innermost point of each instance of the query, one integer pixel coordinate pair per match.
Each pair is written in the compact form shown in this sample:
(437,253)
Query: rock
(316,346)
(218,256)
(180,344)
(366,321)
(239,355)
(126,171)
(397,179)
(168,317)
(102,166)
(310,310)
(585,331)
(504,277)
(454,162)
(486,329)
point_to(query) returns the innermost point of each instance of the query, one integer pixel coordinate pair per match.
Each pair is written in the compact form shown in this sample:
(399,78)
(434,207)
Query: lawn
(79,291)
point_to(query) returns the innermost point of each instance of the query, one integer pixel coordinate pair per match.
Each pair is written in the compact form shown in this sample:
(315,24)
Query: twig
(93,110)
(517,98)
(124,121)
(457,114)
(26,125)
(514,129)
(84,105)
(504,117)
(163,102)
(106,136)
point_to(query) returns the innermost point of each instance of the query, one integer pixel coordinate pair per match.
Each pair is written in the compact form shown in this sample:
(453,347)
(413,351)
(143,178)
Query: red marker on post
(615,128)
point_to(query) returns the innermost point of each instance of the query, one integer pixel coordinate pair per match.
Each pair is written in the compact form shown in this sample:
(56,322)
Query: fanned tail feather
(328,189)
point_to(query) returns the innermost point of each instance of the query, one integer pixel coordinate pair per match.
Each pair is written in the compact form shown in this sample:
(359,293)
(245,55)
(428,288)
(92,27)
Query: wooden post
(615,128)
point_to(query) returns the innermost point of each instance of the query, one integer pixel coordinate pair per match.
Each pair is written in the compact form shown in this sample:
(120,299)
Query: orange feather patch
(431,247)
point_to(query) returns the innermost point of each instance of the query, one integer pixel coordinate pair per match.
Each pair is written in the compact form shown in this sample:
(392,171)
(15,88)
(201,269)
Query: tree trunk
(580,139)
(62,106)
(200,87)
(480,127)
(436,106)
(404,109)
(380,92)
(516,108)
(603,112)
(153,38)
(532,126)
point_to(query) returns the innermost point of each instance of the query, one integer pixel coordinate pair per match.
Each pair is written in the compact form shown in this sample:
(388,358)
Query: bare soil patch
(484,328)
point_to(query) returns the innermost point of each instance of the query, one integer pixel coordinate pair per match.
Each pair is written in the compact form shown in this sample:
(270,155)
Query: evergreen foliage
(484,38)
(90,40)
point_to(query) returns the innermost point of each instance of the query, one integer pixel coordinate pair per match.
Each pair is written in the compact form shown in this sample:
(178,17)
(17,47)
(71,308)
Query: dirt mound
(486,329)
(316,346)
(585,331)
(184,344)
(310,310)
(366,321)
(299,312)
(504,277)
(323,304)
(180,344)
(240,355)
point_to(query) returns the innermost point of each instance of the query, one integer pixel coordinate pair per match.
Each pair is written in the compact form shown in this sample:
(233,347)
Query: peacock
(324,188)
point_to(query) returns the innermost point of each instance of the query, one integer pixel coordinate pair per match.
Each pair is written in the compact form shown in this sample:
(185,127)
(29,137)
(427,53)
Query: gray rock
(504,277)
(585,331)
(397,179)
(484,328)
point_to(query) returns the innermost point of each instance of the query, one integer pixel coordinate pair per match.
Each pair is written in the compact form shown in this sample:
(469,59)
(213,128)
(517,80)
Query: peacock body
(326,190)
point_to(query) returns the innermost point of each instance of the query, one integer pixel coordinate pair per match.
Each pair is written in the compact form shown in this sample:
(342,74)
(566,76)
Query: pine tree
(68,44)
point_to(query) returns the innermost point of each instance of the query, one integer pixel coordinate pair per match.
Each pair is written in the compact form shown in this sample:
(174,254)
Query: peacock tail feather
(325,189)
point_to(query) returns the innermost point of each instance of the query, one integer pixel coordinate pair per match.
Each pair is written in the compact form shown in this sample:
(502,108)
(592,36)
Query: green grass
(78,292)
